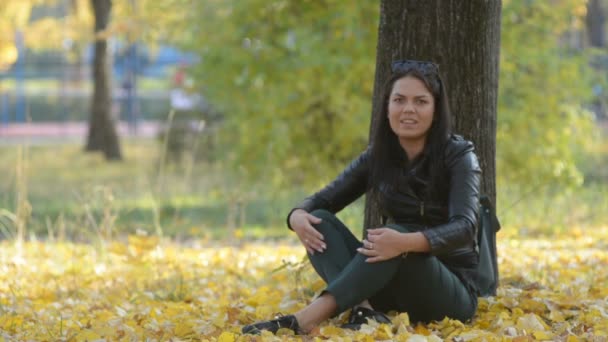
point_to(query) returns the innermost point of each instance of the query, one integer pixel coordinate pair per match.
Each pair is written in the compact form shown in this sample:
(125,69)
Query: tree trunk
(463,37)
(595,20)
(102,130)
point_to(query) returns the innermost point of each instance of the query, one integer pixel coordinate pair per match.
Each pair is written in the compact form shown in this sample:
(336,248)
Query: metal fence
(48,87)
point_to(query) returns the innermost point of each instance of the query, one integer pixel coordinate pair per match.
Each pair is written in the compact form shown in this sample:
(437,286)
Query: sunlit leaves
(146,288)
(545,82)
(8,54)
(14,15)
(69,25)
(294,81)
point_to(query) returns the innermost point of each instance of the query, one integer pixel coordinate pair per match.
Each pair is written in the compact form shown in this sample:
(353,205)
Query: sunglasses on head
(429,70)
(426,68)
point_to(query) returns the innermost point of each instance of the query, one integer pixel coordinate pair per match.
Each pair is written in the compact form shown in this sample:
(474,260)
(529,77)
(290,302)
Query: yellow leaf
(88,335)
(422,330)
(402,318)
(220,320)
(318,285)
(433,338)
(556,316)
(141,244)
(518,312)
(531,322)
(542,335)
(183,329)
(117,248)
(530,305)
(330,330)
(226,337)
(264,311)
(383,332)
(363,337)
(417,338)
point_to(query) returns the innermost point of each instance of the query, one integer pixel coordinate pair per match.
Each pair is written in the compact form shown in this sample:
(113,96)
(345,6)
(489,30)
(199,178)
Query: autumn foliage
(146,288)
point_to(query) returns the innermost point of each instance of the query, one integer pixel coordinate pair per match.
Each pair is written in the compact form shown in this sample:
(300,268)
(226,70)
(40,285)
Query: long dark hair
(388,157)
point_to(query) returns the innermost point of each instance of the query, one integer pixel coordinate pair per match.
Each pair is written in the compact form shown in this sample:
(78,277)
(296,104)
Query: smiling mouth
(408,121)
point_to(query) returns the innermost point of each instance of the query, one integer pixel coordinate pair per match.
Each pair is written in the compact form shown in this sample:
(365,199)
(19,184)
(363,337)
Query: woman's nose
(408,107)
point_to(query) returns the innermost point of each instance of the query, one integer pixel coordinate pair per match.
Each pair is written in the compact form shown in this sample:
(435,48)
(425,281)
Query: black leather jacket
(450,226)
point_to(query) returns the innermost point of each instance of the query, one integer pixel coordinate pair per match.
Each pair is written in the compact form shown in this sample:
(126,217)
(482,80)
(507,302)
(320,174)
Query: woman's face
(411,107)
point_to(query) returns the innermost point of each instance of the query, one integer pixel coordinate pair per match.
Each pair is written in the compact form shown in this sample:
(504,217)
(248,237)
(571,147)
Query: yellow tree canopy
(14,16)
(151,21)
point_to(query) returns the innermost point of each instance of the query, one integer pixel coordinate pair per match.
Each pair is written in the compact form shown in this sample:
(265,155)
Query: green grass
(72,192)
(80,196)
(545,209)
(550,210)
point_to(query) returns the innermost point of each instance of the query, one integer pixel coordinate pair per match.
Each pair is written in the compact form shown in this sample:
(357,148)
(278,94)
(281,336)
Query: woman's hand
(301,222)
(383,244)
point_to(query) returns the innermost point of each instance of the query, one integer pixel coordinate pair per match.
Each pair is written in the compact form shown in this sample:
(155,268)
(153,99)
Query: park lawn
(73,194)
(146,288)
(76,195)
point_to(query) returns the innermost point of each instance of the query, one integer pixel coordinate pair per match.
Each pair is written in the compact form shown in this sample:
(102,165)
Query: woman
(426,183)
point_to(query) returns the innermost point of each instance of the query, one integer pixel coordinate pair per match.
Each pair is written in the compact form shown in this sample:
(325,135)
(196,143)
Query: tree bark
(595,20)
(102,131)
(463,37)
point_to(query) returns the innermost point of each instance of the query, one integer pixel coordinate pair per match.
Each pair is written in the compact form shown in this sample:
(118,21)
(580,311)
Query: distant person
(422,260)
(183,97)
(179,76)
(188,107)
(130,104)
(184,100)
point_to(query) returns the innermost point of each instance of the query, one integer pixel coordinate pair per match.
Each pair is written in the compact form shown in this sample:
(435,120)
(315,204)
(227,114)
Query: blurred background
(210,119)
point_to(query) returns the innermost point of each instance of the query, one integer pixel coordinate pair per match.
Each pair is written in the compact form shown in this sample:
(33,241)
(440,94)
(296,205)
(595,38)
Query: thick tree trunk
(463,37)
(596,19)
(102,131)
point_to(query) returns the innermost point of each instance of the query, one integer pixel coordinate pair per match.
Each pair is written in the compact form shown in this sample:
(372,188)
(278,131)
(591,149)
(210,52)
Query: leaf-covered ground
(145,289)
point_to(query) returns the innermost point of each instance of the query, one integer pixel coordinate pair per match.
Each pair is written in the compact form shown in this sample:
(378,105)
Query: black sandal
(361,315)
(280,321)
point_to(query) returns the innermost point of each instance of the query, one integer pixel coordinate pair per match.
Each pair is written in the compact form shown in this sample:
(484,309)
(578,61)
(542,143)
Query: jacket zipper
(421,208)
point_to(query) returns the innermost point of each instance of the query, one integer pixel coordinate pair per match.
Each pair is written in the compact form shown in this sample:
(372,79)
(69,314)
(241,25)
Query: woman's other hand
(301,222)
(383,244)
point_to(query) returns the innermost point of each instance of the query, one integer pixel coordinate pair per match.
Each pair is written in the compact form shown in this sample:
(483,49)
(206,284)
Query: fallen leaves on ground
(149,289)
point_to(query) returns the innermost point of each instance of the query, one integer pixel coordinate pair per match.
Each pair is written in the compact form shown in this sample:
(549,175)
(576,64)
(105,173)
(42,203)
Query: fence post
(20,78)
(4,109)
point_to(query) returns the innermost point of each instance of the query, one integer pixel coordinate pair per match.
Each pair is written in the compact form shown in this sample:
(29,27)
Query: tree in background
(102,129)
(68,24)
(596,29)
(137,20)
(596,21)
(463,38)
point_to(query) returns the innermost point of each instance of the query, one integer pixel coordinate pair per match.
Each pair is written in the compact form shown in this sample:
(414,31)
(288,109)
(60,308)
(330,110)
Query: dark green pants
(419,284)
